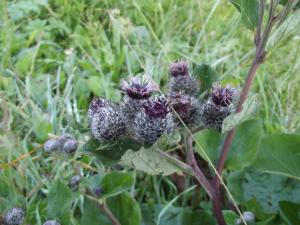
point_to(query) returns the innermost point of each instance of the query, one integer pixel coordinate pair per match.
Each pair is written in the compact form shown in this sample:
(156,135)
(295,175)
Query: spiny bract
(108,123)
(186,107)
(218,107)
(152,121)
(14,216)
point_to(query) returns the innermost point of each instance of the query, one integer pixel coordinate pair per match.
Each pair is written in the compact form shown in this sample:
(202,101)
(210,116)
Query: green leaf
(230,217)
(149,161)
(286,31)
(289,212)
(115,183)
(110,152)
(207,76)
(249,11)
(279,154)
(95,86)
(269,190)
(236,119)
(92,214)
(243,149)
(175,216)
(59,202)
(125,209)
(41,128)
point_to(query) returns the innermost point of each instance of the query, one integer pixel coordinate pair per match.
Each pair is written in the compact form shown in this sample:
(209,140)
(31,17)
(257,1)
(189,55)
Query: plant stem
(103,206)
(200,177)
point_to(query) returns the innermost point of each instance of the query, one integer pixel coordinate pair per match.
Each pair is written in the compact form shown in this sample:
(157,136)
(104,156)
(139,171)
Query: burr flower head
(179,68)
(222,96)
(108,123)
(180,103)
(96,104)
(14,216)
(152,120)
(138,87)
(156,108)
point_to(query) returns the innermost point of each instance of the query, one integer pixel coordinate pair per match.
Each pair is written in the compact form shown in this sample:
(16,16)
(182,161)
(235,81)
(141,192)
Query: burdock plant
(145,114)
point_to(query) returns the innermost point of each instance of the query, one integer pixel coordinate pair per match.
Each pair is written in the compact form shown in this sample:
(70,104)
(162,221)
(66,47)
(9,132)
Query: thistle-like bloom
(108,123)
(181,80)
(186,107)
(137,91)
(138,87)
(219,105)
(152,120)
(14,216)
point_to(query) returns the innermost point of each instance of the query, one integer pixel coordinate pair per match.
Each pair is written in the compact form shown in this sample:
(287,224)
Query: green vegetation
(56,55)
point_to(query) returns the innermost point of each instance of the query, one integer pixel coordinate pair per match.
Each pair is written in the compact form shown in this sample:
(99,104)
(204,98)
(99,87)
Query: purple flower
(138,87)
(222,96)
(179,68)
(157,108)
(181,104)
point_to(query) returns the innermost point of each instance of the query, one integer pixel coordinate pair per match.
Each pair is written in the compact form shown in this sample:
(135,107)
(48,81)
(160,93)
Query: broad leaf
(59,202)
(280,154)
(207,76)
(92,214)
(110,152)
(289,212)
(175,216)
(149,161)
(115,183)
(243,149)
(230,217)
(236,119)
(125,209)
(249,11)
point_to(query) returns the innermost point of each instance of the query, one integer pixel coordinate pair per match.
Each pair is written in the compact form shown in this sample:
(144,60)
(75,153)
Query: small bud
(74,182)
(63,138)
(248,216)
(108,124)
(181,80)
(97,191)
(222,96)
(51,145)
(152,120)
(51,222)
(179,68)
(14,216)
(70,146)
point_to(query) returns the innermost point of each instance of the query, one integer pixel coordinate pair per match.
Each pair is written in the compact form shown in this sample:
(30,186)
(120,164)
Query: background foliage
(56,55)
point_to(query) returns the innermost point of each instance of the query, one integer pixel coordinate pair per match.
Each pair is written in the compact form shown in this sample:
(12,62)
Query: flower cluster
(65,143)
(145,116)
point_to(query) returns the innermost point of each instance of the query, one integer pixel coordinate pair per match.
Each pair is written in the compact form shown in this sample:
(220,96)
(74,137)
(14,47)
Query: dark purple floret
(179,68)
(181,104)
(138,87)
(97,103)
(157,108)
(222,96)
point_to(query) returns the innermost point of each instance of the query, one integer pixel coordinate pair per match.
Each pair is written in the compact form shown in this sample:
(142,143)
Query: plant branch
(103,207)
(257,61)
(199,176)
